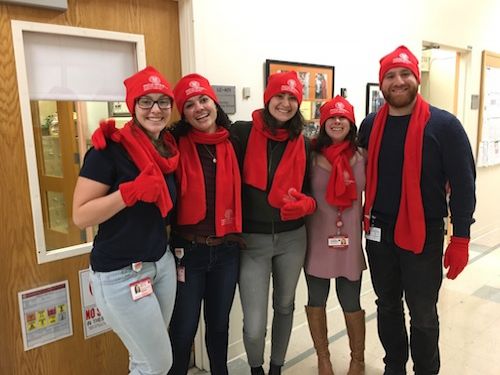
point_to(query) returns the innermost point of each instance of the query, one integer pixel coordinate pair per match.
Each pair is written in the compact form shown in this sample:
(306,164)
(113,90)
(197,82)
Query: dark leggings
(347,292)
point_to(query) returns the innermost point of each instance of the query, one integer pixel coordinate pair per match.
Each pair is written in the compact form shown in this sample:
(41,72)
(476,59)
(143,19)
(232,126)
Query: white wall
(233,38)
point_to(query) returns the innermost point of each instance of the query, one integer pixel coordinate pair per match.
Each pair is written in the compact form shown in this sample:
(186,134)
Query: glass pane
(51,146)
(58,220)
(63,133)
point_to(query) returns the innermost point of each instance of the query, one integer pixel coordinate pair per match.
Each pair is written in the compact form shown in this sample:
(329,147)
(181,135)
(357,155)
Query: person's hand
(105,130)
(146,187)
(299,206)
(456,256)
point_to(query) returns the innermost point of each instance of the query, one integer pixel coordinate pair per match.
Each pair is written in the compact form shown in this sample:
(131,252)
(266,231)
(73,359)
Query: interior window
(62,131)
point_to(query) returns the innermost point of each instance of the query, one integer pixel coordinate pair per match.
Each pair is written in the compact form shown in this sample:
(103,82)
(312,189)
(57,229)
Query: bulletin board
(488,140)
(318,82)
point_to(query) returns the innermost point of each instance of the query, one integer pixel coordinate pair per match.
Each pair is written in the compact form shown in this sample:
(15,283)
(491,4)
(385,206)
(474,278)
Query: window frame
(18,28)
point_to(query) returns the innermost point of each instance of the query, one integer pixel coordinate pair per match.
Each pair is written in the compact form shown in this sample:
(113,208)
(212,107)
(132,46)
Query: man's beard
(401,101)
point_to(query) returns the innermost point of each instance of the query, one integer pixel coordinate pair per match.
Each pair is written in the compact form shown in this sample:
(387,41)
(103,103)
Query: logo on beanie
(194,86)
(290,86)
(403,58)
(154,79)
(339,108)
(155,84)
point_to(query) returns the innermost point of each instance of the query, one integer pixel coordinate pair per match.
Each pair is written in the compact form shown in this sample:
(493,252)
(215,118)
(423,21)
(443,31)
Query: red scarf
(192,199)
(341,188)
(142,152)
(291,169)
(409,233)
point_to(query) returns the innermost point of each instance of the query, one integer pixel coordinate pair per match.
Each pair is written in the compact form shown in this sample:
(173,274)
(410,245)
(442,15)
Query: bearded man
(420,165)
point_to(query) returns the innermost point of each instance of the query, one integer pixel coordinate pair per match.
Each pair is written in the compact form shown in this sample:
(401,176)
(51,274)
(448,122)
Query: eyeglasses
(145,102)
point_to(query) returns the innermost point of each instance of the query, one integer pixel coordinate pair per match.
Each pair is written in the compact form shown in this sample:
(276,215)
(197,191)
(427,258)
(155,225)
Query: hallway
(469,309)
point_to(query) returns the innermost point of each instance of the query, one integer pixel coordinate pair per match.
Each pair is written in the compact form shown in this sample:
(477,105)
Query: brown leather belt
(212,240)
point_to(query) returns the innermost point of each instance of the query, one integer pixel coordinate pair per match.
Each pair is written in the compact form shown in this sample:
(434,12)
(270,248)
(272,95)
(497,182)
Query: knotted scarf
(341,187)
(142,152)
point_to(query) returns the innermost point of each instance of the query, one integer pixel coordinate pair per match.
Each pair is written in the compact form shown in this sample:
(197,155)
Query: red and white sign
(93,321)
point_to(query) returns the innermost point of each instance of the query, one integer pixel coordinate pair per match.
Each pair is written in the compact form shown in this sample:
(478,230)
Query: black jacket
(258,215)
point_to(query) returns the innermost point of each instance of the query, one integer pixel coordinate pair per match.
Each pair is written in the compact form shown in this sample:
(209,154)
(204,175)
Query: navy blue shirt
(446,156)
(136,233)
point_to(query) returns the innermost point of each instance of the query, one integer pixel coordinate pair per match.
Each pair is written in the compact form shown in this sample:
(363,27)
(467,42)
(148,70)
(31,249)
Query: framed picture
(374,98)
(318,83)
(118,109)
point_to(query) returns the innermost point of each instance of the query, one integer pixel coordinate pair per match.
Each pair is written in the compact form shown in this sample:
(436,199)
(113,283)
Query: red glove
(146,187)
(105,130)
(300,206)
(456,256)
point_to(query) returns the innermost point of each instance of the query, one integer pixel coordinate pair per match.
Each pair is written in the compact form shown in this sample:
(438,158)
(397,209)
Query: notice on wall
(45,314)
(227,98)
(93,321)
(489,146)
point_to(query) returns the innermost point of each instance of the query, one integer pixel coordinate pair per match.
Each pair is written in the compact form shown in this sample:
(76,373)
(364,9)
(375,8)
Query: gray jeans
(282,256)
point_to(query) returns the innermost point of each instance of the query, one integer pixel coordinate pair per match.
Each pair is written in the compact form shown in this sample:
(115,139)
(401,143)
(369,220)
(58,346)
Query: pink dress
(321,260)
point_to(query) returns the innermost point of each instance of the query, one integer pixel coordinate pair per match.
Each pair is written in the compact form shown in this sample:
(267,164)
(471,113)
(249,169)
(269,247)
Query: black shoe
(390,371)
(274,370)
(257,370)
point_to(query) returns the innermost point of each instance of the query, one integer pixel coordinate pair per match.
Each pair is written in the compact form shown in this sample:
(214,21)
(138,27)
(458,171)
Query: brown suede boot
(355,323)
(316,316)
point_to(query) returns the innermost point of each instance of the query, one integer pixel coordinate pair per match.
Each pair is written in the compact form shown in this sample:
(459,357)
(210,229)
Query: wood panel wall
(104,354)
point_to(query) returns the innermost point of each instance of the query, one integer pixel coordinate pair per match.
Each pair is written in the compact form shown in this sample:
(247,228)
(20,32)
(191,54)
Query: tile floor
(469,309)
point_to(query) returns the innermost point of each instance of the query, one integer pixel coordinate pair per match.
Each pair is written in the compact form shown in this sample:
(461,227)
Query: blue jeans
(282,256)
(211,273)
(142,325)
(398,273)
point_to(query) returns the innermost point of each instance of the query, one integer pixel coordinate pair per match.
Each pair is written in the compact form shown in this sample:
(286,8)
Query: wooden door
(58,162)
(19,269)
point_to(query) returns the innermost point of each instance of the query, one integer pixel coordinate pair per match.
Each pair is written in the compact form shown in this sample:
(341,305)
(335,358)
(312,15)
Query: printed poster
(45,314)
(93,321)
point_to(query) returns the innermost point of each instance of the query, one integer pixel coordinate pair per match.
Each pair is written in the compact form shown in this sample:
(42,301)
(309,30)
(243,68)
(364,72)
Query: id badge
(375,234)
(141,288)
(181,274)
(179,252)
(137,266)
(338,242)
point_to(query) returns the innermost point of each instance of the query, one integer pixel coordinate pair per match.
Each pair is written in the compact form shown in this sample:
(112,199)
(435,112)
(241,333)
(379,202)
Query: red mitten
(456,256)
(146,187)
(105,130)
(302,206)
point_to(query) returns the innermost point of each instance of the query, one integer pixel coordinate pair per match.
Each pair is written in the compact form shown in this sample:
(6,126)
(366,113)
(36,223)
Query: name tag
(181,274)
(340,241)
(375,234)
(141,288)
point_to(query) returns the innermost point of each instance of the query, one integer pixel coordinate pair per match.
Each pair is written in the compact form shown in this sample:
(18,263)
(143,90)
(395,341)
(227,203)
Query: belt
(212,240)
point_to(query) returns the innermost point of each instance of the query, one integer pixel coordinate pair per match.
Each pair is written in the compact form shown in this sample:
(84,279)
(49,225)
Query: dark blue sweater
(446,156)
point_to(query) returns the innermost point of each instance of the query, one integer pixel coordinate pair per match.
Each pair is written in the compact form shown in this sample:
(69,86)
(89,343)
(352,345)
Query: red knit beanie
(192,85)
(401,57)
(283,82)
(145,81)
(337,106)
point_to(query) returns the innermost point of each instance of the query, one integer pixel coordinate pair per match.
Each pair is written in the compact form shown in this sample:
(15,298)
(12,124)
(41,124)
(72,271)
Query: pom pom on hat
(145,81)
(283,82)
(192,85)
(401,57)
(337,106)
